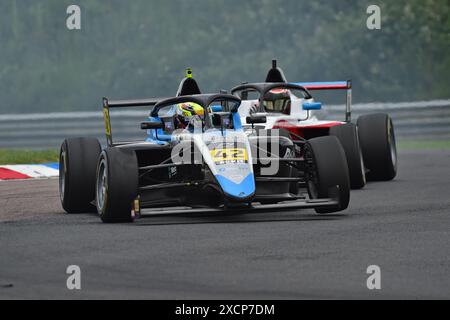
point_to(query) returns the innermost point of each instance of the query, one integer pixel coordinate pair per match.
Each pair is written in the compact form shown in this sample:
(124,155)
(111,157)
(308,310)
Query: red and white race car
(369,144)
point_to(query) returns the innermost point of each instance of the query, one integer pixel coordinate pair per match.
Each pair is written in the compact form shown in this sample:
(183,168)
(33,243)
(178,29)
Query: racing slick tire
(117,185)
(377,138)
(77,171)
(348,137)
(326,172)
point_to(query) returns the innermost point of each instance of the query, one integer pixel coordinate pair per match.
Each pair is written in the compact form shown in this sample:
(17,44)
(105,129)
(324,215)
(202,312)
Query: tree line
(140,48)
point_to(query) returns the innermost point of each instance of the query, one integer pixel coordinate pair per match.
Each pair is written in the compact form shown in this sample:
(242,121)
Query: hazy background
(139,48)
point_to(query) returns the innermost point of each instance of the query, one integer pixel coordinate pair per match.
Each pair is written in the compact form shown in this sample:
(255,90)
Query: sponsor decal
(229,155)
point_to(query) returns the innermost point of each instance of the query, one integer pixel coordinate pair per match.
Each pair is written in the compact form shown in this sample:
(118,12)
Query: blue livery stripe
(242,190)
(54,165)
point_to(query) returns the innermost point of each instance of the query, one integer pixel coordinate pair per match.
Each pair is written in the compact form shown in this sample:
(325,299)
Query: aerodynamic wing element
(333,85)
(107,104)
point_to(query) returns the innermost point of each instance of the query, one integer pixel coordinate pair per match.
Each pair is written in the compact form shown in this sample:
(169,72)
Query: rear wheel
(117,185)
(377,138)
(325,178)
(348,137)
(77,171)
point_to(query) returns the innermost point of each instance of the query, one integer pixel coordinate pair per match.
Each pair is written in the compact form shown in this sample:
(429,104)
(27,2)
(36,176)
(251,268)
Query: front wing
(254,207)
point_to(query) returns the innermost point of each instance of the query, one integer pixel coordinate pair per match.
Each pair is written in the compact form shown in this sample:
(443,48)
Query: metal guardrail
(412,120)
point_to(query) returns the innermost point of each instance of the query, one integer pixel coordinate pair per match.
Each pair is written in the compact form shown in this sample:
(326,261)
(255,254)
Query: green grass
(424,144)
(12,156)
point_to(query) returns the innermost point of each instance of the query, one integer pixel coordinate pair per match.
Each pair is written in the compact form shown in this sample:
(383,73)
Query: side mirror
(312,106)
(256,119)
(148,125)
(216,108)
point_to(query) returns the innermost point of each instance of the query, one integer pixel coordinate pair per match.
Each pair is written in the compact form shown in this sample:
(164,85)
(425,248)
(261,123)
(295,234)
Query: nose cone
(238,190)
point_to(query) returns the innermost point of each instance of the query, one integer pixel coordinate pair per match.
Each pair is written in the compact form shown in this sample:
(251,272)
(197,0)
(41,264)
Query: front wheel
(326,172)
(117,185)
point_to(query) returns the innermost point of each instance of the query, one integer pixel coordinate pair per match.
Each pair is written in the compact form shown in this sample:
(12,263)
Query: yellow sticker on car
(229,155)
(107,121)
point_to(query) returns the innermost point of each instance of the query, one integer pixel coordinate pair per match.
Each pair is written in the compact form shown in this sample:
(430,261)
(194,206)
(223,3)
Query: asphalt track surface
(402,226)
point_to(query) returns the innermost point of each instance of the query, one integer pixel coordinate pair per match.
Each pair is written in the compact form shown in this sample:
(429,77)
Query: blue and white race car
(197,157)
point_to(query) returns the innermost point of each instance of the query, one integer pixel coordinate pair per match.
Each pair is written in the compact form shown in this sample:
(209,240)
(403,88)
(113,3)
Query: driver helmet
(187,111)
(277,100)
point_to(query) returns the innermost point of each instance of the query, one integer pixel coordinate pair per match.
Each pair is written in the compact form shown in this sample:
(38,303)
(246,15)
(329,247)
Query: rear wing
(333,85)
(107,104)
